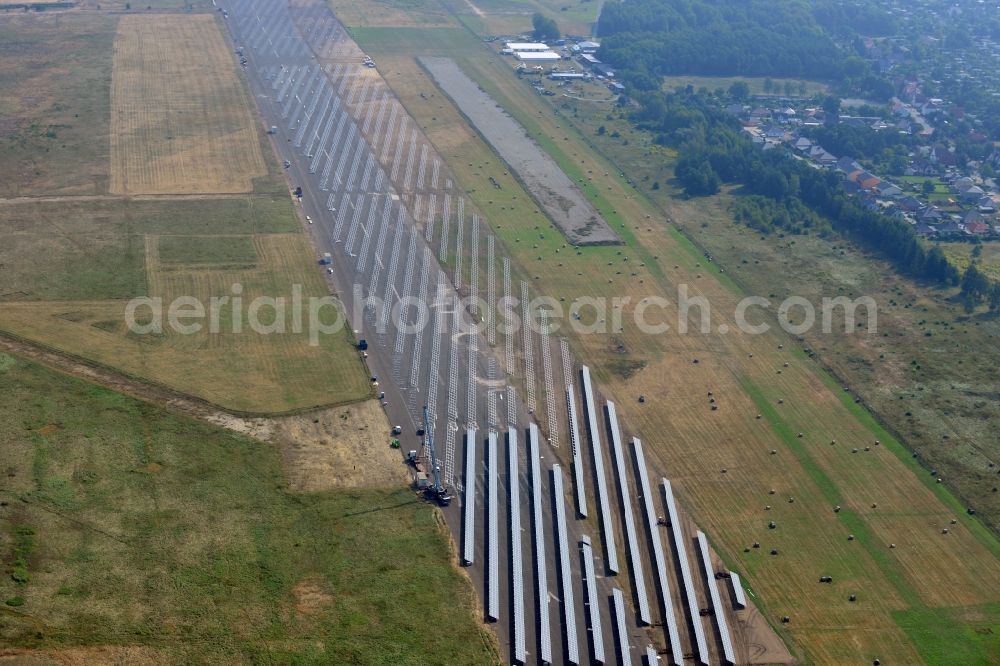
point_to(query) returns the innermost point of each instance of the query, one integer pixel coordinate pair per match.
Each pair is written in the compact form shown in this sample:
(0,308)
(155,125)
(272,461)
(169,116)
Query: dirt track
(335,447)
(563,201)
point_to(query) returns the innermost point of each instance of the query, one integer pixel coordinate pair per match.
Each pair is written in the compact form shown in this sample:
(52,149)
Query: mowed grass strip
(180,115)
(124,525)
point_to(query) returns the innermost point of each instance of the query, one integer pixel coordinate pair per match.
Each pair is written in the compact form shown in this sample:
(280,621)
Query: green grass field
(955,636)
(124,525)
(961,254)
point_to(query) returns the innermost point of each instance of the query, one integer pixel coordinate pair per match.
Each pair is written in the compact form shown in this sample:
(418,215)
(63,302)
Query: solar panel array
(593,604)
(739,596)
(618,601)
(603,502)
(682,559)
(542,582)
(365,151)
(516,558)
(574,437)
(631,540)
(492,537)
(713,591)
(659,559)
(469,501)
(565,572)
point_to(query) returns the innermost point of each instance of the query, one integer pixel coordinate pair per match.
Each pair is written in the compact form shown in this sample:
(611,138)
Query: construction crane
(437,491)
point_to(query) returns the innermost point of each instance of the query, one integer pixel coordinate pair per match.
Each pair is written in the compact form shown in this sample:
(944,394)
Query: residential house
(825,159)
(970,216)
(848,165)
(972,194)
(889,190)
(929,214)
(774,132)
(950,228)
(962,184)
(867,181)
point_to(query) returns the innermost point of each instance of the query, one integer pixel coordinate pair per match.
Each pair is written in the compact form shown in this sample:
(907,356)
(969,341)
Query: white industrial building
(537,56)
(527,47)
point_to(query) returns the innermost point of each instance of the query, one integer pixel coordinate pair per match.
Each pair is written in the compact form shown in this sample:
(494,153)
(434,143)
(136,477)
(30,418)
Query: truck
(326,260)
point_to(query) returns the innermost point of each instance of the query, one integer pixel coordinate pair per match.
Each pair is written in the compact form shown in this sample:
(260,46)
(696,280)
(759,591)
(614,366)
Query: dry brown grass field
(180,117)
(886,499)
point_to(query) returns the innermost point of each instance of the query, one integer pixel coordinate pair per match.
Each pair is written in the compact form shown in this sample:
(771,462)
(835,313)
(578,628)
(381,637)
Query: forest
(648,39)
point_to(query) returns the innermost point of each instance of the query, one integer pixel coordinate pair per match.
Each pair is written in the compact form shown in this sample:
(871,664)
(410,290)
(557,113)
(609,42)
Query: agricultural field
(71,283)
(180,117)
(132,535)
(55,73)
(745,463)
(76,251)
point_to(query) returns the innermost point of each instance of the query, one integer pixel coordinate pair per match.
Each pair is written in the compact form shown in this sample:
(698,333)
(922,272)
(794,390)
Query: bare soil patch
(341,447)
(563,201)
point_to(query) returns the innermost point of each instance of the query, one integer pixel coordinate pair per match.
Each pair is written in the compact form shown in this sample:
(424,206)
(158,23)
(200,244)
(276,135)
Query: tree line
(647,39)
(789,193)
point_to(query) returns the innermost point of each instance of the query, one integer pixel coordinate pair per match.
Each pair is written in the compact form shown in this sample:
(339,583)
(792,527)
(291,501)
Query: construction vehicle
(436,491)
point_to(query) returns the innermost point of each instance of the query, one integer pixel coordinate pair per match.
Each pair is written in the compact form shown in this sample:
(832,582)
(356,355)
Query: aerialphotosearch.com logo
(318,316)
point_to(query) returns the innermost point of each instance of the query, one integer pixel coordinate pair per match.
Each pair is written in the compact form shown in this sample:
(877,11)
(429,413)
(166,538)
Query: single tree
(740,90)
(544,27)
(995,297)
(831,105)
